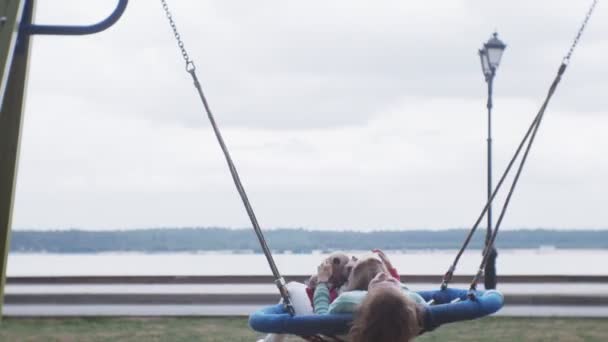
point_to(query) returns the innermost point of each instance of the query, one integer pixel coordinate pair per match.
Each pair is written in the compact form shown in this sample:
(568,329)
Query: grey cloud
(307,65)
(338,115)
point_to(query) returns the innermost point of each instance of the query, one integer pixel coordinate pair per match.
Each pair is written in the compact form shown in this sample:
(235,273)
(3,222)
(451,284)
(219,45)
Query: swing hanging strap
(530,134)
(490,244)
(540,115)
(191,69)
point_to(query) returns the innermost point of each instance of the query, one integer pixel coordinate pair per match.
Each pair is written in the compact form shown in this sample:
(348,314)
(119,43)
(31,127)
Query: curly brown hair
(386,315)
(362,273)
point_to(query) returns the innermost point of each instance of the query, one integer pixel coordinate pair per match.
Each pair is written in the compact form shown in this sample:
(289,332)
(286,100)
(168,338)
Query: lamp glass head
(494,49)
(485,64)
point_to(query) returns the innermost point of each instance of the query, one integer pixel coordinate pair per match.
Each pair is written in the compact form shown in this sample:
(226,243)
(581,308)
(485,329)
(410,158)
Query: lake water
(510,261)
(434,262)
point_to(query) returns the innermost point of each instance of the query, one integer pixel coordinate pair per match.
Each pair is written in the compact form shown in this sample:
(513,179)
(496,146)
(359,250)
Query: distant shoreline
(295,241)
(239,252)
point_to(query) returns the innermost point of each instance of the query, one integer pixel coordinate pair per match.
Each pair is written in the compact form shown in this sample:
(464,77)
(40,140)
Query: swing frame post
(16,28)
(77,30)
(14,54)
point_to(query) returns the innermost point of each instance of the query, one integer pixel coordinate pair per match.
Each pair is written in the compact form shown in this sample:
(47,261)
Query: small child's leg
(299,298)
(274,338)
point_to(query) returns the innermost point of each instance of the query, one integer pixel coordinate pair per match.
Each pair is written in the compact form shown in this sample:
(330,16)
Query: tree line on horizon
(294,240)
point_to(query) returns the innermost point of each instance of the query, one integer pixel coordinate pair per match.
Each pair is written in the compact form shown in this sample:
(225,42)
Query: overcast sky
(339,115)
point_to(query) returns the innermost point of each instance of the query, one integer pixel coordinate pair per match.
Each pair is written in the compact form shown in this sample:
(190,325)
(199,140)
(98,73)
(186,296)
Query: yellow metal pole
(14,61)
(10,15)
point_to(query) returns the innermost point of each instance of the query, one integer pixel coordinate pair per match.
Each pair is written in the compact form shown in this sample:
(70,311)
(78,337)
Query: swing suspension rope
(191,69)
(529,139)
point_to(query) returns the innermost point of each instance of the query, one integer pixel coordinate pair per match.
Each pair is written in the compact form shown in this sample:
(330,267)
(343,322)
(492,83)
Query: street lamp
(490,56)
(490,59)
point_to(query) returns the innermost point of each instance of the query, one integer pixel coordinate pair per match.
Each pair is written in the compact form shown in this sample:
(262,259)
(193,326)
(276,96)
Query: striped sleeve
(321,299)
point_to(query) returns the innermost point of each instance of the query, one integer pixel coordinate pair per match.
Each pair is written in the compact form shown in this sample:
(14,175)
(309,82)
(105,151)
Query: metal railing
(267,279)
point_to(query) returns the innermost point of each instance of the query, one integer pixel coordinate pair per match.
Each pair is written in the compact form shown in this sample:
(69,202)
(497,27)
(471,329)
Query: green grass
(236,329)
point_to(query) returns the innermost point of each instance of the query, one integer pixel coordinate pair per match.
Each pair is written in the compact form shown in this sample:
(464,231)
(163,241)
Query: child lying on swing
(344,274)
(342,269)
(387,311)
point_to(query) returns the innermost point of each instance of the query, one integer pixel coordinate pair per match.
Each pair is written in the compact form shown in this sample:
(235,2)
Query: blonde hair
(386,315)
(362,273)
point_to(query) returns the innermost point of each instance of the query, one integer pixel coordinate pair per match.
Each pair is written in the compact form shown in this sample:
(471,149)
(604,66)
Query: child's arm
(321,297)
(312,281)
(387,263)
(393,271)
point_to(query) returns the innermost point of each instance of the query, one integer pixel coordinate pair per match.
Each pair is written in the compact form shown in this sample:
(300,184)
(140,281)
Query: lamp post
(490,56)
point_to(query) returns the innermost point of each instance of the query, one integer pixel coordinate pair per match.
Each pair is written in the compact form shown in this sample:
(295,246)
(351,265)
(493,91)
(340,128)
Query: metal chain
(580,31)
(279,280)
(178,38)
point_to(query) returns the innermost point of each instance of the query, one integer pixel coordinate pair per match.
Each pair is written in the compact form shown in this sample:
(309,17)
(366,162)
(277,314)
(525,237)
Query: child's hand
(312,282)
(384,258)
(324,272)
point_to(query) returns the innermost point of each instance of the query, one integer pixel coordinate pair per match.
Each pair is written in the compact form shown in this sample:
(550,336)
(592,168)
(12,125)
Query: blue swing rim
(470,305)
